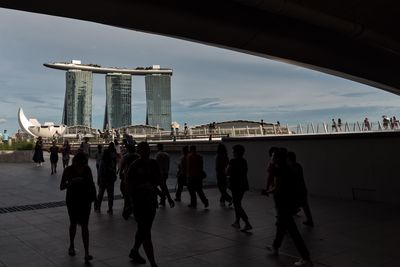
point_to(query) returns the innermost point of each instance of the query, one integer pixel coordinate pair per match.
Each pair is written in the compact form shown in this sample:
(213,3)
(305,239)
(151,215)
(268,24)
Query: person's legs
(239,211)
(85,239)
(192,192)
(147,243)
(200,192)
(178,192)
(223,186)
(55,166)
(307,212)
(110,196)
(297,239)
(280,233)
(72,233)
(100,196)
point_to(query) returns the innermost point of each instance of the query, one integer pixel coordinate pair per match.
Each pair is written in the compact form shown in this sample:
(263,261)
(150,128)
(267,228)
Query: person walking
(162,159)
(5,137)
(38,154)
(334,126)
(301,188)
(54,157)
(66,151)
(85,147)
(221,162)
(286,204)
(106,178)
(181,173)
(195,175)
(128,158)
(237,173)
(141,193)
(77,179)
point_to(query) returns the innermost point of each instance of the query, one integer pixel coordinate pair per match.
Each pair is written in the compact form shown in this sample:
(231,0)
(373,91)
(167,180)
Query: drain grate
(39,206)
(56,204)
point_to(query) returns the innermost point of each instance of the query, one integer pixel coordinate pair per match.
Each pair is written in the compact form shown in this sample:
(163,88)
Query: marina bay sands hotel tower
(79,90)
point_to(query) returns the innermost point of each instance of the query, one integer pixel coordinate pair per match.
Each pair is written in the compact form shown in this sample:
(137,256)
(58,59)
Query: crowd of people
(144,188)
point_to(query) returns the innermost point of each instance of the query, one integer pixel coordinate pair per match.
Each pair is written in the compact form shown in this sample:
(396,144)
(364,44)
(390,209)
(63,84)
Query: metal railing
(347,127)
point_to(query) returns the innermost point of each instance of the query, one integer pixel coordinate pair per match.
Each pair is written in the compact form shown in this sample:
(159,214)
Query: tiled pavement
(347,233)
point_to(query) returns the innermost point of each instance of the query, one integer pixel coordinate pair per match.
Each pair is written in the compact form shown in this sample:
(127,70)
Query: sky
(208,84)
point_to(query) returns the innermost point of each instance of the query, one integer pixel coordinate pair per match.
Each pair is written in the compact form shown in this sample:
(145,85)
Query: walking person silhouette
(286,204)
(77,179)
(181,173)
(107,177)
(221,162)
(237,172)
(195,175)
(141,192)
(300,187)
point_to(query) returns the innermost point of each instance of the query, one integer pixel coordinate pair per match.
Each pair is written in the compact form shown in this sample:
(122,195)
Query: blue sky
(209,83)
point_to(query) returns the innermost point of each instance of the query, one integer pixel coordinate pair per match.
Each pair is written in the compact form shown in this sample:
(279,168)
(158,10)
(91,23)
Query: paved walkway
(347,233)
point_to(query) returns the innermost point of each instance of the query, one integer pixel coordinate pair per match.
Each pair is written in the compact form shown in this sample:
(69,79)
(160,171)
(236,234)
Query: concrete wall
(349,166)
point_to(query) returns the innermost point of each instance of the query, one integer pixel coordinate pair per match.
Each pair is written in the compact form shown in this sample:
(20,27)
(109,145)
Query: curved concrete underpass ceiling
(354,39)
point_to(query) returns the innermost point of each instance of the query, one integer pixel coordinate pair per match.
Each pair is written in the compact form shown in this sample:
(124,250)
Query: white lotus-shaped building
(34,128)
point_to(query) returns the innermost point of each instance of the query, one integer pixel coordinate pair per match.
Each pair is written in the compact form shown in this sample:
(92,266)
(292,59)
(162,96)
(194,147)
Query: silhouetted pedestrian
(162,159)
(237,172)
(107,177)
(127,159)
(334,126)
(98,156)
(300,187)
(38,154)
(270,167)
(339,124)
(286,204)
(195,174)
(141,192)
(54,157)
(66,151)
(221,162)
(81,192)
(181,173)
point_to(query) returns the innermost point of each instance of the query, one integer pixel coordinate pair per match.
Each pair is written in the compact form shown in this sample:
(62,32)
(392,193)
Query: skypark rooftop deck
(105,70)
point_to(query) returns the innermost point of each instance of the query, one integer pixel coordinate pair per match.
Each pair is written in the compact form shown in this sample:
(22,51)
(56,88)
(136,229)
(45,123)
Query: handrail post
(379,126)
(312,127)
(359,128)
(325,128)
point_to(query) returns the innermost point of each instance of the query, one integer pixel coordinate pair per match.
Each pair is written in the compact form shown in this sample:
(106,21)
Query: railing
(347,127)
(154,134)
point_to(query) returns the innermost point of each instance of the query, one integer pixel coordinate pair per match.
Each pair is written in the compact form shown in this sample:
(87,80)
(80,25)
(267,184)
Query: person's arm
(93,193)
(64,180)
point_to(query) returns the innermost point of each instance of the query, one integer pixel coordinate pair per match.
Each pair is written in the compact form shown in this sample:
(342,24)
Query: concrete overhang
(353,39)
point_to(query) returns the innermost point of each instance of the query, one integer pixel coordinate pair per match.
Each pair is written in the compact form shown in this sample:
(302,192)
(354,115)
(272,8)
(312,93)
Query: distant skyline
(208,84)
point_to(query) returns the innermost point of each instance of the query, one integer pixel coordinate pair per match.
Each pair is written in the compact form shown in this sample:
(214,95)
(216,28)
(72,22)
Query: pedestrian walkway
(347,233)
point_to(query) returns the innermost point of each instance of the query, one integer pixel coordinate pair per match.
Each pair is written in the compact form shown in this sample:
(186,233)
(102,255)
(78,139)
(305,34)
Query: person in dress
(54,157)
(38,154)
(77,179)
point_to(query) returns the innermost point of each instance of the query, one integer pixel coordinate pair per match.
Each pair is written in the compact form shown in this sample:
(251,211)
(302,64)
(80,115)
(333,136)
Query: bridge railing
(347,127)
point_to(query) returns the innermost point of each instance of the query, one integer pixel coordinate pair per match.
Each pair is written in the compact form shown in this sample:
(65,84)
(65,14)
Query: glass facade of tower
(118,112)
(158,100)
(78,98)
